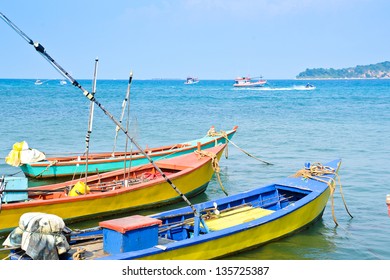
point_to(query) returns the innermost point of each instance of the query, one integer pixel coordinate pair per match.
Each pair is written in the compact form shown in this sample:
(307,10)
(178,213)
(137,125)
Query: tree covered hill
(379,71)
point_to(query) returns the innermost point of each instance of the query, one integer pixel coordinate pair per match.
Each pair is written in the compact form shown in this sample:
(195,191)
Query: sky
(209,39)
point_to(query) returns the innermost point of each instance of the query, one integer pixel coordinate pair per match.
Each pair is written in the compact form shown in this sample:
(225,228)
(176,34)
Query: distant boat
(248,82)
(38,82)
(191,81)
(310,86)
(63,82)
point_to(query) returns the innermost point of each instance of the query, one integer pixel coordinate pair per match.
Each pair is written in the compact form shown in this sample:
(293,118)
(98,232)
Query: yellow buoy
(79,189)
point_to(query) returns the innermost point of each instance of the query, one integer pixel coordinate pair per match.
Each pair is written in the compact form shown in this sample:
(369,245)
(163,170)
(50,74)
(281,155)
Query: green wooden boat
(103,162)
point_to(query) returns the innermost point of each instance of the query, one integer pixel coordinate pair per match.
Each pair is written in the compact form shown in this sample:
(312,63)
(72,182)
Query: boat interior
(102,183)
(233,212)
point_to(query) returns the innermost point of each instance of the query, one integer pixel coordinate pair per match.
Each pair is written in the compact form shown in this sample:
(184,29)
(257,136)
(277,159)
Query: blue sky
(218,39)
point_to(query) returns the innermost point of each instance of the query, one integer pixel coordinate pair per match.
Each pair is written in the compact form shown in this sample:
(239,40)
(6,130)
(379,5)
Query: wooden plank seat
(235,217)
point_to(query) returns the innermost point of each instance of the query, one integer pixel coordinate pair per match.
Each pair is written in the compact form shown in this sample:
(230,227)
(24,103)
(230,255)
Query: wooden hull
(245,235)
(245,238)
(104,162)
(189,174)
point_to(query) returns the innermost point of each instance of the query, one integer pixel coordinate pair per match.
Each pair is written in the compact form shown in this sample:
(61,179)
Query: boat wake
(277,88)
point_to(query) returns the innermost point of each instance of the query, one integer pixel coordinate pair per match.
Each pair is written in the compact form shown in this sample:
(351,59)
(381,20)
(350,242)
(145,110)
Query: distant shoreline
(372,71)
(303,79)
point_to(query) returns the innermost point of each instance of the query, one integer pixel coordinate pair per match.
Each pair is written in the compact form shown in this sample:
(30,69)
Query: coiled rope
(214,164)
(213,133)
(319,172)
(79,254)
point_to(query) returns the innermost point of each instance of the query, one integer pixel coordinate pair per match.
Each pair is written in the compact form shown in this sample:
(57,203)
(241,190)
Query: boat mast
(123,110)
(127,129)
(90,122)
(41,50)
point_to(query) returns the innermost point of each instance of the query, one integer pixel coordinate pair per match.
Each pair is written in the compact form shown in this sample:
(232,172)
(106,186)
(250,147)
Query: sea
(283,123)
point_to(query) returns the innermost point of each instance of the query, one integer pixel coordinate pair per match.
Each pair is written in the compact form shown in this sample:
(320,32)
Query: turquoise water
(283,124)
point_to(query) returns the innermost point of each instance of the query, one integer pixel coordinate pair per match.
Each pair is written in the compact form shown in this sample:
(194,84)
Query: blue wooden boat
(216,228)
(67,166)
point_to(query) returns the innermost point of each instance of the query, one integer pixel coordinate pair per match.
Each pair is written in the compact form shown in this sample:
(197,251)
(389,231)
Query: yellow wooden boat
(116,191)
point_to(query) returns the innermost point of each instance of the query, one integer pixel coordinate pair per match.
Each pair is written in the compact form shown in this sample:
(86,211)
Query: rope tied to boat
(51,163)
(79,254)
(319,172)
(214,164)
(213,133)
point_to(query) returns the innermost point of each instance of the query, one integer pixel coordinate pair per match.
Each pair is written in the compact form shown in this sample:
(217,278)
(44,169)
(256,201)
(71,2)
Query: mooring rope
(79,254)
(213,133)
(319,172)
(214,164)
(51,163)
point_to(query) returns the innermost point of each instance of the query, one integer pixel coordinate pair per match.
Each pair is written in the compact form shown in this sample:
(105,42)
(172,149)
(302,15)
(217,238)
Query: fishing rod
(90,122)
(123,110)
(41,50)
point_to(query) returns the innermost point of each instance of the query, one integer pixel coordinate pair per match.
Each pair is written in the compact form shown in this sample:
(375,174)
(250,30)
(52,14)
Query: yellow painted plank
(236,217)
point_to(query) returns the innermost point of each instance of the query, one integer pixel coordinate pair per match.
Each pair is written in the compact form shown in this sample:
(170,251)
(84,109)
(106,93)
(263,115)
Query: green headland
(373,71)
